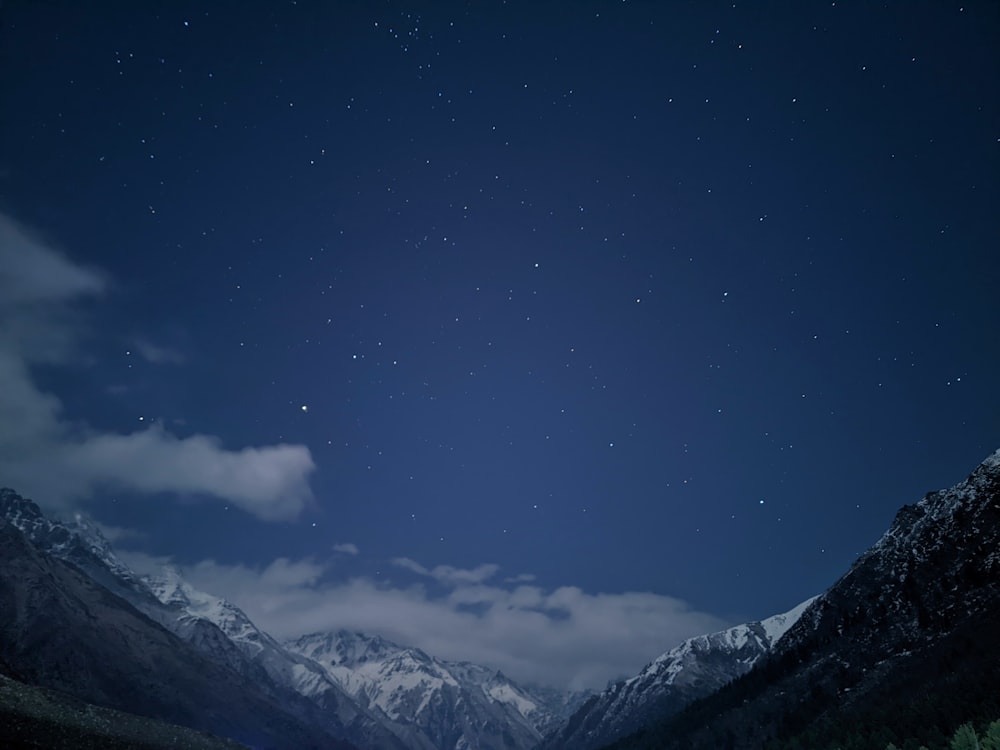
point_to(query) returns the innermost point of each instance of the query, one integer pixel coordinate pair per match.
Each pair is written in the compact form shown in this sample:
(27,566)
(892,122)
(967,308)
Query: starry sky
(544,334)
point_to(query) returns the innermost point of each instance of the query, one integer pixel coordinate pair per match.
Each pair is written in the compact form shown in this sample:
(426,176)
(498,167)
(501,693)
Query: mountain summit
(436,703)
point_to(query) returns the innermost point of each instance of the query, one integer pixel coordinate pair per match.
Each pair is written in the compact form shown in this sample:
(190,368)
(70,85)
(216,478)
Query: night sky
(544,334)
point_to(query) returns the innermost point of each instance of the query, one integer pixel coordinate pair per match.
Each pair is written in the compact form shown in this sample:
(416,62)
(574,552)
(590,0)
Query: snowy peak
(399,681)
(25,514)
(693,669)
(776,626)
(171,589)
(433,703)
(79,542)
(191,604)
(743,644)
(218,625)
(346,648)
(14,507)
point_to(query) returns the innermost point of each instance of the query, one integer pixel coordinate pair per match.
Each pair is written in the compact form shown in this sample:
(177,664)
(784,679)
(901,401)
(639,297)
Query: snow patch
(778,625)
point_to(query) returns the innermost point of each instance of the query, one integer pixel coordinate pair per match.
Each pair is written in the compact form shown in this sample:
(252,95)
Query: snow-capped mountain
(192,605)
(79,542)
(903,645)
(376,694)
(194,612)
(435,703)
(695,668)
(424,702)
(911,624)
(62,630)
(217,629)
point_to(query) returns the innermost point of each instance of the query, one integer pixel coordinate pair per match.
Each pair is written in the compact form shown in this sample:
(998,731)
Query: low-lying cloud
(44,455)
(564,637)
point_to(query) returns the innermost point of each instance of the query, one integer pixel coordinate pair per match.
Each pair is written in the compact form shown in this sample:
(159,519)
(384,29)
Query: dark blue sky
(683,298)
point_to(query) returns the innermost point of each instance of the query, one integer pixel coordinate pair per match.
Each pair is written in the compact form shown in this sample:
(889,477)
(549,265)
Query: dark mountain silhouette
(903,647)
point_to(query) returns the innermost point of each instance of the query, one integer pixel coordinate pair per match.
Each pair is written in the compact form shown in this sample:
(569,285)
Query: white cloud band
(565,637)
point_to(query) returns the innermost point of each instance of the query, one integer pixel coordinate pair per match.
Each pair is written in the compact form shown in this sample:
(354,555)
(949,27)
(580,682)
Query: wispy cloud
(158,355)
(268,482)
(520,578)
(563,636)
(446,574)
(34,273)
(119,533)
(43,454)
(346,548)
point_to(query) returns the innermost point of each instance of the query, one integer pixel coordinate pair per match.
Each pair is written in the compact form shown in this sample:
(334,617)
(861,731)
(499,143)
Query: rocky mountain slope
(38,719)
(902,647)
(59,629)
(694,669)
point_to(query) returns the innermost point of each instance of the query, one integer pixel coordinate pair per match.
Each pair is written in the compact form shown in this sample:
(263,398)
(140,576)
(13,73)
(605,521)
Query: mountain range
(902,647)
(327,688)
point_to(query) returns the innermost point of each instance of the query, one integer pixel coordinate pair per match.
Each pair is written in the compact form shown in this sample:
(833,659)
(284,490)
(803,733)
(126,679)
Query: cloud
(117,533)
(520,578)
(346,548)
(37,289)
(158,355)
(268,482)
(446,574)
(34,273)
(564,637)
(58,462)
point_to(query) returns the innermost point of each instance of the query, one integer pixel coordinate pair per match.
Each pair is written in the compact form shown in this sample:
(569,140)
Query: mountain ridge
(900,648)
(492,710)
(694,668)
(912,613)
(62,630)
(407,684)
(85,549)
